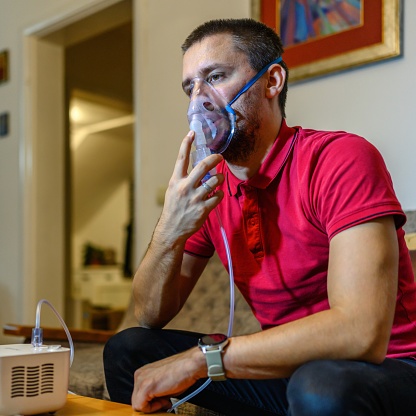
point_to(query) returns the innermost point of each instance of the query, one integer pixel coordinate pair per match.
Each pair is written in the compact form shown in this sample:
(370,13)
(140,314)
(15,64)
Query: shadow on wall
(410,226)
(5,316)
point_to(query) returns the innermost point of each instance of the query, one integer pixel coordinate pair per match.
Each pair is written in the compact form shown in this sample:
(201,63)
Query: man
(317,249)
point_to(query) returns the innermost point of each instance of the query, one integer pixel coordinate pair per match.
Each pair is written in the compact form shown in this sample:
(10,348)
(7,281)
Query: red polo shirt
(312,185)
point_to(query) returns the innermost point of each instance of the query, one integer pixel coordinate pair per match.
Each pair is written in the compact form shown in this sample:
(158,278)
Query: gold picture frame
(4,66)
(377,38)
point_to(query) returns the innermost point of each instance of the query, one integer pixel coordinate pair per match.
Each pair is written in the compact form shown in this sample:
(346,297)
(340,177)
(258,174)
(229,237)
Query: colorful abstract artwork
(306,20)
(323,36)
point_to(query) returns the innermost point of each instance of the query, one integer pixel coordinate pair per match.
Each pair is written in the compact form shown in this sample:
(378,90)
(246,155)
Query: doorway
(82,63)
(99,90)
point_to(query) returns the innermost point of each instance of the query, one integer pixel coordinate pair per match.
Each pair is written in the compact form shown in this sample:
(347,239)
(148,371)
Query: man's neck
(247,169)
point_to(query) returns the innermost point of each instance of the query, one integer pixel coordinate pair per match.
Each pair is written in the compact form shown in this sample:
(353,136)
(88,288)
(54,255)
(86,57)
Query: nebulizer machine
(34,377)
(213,120)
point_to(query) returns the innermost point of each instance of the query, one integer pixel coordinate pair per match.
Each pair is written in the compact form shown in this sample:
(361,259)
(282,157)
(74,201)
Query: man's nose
(199,87)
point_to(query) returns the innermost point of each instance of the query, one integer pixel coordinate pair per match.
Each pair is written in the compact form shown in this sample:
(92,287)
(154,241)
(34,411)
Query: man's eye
(214,78)
(188,90)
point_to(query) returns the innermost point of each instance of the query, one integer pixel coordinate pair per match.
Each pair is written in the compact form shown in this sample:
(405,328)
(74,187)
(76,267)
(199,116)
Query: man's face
(216,60)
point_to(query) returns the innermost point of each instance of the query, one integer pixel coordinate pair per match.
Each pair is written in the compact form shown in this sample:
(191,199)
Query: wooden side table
(80,405)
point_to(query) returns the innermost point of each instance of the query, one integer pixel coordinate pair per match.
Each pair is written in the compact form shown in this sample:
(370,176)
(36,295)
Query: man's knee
(121,341)
(124,353)
(136,345)
(120,362)
(143,346)
(327,387)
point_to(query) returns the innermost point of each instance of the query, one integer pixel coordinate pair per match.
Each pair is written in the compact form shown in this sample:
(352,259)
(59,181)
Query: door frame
(43,154)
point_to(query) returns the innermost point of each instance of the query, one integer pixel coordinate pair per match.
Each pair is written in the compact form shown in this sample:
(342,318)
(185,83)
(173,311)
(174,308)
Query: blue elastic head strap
(252,81)
(231,113)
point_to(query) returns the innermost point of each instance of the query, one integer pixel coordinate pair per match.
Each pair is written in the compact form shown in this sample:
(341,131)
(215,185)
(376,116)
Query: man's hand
(187,203)
(155,383)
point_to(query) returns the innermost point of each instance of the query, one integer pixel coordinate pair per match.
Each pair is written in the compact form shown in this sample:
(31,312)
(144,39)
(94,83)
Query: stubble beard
(246,136)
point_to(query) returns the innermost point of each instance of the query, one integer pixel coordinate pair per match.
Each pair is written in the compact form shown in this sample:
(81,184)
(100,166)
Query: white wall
(375,101)
(107,228)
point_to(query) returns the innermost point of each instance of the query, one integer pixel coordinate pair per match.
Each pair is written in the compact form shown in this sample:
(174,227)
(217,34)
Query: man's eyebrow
(202,73)
(185,84)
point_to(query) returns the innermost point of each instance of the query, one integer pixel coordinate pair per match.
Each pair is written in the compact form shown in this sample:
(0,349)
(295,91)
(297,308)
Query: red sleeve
(350,184)
(199,244)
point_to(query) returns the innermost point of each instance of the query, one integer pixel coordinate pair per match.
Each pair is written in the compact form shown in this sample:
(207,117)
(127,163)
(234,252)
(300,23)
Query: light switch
(4,124)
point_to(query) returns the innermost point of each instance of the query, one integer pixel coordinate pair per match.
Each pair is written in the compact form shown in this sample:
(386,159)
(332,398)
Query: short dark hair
(258,42)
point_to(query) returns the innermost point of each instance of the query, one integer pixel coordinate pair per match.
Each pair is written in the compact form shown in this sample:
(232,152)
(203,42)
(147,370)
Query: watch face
(212,339)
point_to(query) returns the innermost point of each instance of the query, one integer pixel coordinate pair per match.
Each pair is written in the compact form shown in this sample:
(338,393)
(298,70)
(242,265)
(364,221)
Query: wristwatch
(213,346)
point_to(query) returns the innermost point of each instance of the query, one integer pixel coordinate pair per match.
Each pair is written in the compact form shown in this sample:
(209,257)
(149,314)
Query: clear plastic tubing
(37,332)
(231,319)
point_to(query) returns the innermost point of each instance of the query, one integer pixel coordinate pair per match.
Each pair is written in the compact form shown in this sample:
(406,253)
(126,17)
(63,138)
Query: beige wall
(106,228)
(375,101)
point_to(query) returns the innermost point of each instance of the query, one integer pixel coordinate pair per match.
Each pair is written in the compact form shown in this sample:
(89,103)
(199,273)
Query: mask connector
(200,143)
(37,337)
(210,117)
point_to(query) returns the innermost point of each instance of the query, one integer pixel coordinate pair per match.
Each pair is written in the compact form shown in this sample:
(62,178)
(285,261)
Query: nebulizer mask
(212,118)
(209,117)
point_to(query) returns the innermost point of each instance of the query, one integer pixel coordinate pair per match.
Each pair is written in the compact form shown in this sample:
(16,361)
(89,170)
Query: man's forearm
(279,351)
(156,282)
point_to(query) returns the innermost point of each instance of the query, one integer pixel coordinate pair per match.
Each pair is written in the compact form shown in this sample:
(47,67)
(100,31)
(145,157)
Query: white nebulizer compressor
(33,380)
(34,377)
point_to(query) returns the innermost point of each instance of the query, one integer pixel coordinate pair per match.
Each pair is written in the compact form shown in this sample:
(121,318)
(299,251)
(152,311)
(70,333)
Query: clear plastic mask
(211,116)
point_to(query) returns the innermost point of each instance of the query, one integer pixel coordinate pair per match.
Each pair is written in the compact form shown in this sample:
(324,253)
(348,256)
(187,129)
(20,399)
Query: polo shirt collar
(271,166)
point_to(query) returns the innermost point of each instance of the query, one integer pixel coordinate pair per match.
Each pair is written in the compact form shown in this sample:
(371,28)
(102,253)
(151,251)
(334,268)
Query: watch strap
(214,362)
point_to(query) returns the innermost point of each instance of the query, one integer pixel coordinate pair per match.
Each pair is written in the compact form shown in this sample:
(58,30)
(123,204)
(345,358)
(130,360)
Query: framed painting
(4,66)
(326,36)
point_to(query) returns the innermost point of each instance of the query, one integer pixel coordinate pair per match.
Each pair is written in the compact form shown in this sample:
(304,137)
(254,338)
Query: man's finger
(182,162)
(204,166)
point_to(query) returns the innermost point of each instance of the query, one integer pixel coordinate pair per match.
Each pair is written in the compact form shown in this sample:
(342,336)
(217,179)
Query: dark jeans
(326,387)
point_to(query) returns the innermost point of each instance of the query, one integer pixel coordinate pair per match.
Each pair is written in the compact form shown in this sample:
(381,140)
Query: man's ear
(276,80)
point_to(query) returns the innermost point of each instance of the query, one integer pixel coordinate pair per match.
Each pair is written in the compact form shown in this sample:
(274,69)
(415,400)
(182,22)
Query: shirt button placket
(252,220)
